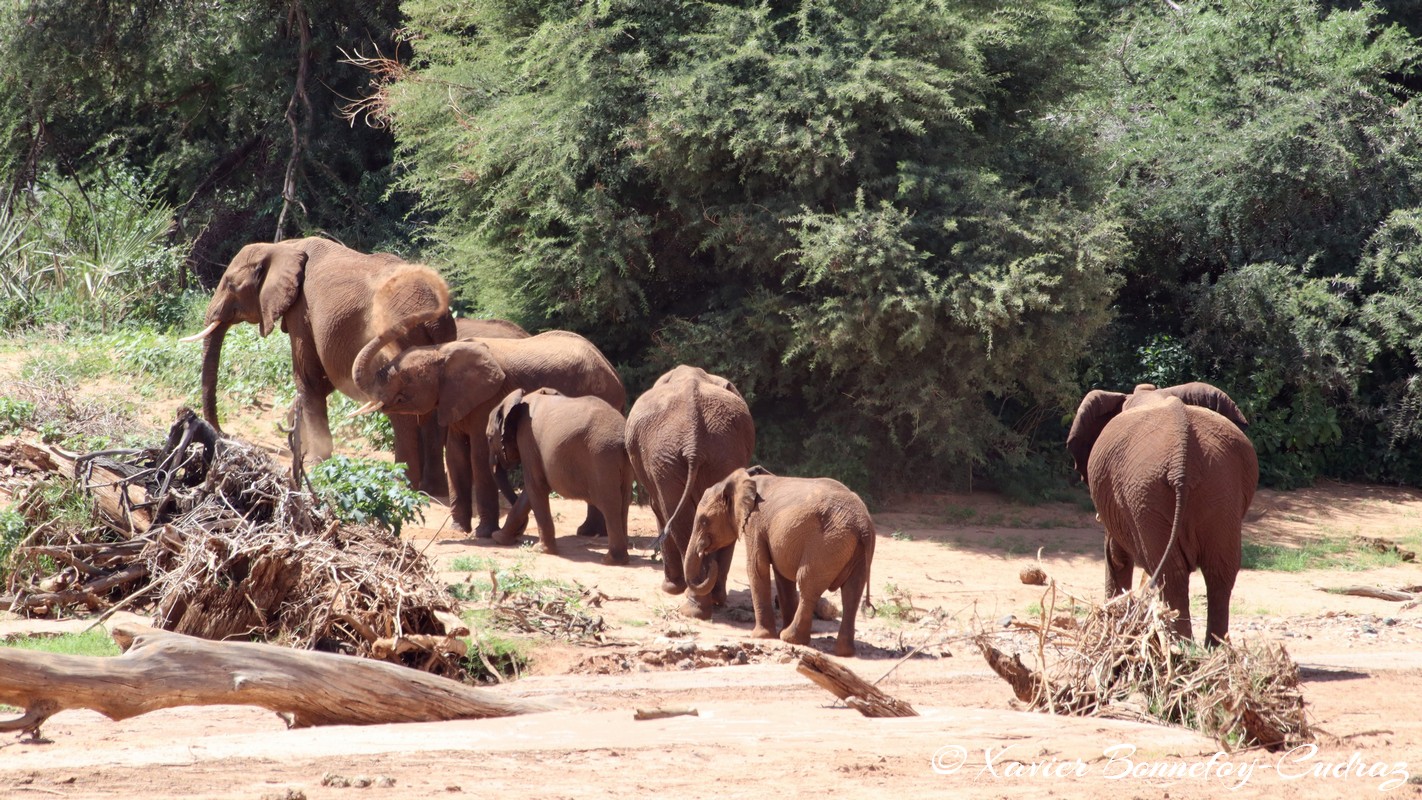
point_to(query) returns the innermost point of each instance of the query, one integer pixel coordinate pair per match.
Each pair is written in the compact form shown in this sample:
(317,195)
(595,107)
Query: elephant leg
(673,577)
(315,426)
(595,524)
(1119,565)
(759,570)
(1176,590)
(1219,585)
(407,447)
(432,477)
(850,594)
(798,631)
(616,533)
(723,559)
(537,495)
(457,458)
(515,522)
(788,597)
(486,492)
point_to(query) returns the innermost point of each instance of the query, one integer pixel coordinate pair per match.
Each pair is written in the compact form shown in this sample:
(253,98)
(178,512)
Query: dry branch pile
(1122,661)
(208,533)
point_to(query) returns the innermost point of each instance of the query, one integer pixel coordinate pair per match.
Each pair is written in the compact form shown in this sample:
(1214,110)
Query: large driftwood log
(1373,592)
(856,692)
(161,670)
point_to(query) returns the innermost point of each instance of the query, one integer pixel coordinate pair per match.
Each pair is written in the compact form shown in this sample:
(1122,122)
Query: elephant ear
(1097,408)
(743,497)
(471,377)
(285,271)
(510,414)
(1198,393)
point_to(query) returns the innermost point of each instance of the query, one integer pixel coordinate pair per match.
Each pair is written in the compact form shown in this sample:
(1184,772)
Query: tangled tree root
(1123,661)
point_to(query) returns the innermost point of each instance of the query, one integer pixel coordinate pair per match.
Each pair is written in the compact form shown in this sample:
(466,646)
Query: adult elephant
(684,435)
(1171,483)
(330,300)
(461,382)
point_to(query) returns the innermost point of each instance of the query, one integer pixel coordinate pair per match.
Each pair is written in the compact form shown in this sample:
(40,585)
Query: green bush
(365,491)
(13,529)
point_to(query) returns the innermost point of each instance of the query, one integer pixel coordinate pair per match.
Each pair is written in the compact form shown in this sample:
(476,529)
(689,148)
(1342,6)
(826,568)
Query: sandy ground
(952,559)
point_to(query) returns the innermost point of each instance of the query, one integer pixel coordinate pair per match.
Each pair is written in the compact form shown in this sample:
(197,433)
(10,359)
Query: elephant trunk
(211,356)
(501,479)
(369,377)
(694,564)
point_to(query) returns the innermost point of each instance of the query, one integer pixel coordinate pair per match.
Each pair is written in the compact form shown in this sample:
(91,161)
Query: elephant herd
(1169,470)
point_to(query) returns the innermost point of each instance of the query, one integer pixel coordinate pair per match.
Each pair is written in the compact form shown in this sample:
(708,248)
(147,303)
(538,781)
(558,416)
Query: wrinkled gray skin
(323,295)
(811,534)
(461,383)
(569,445)
(1171,483)
(684,435)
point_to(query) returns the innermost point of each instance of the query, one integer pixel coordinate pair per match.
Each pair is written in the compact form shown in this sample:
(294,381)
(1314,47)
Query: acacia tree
(1258,148)
(863,213)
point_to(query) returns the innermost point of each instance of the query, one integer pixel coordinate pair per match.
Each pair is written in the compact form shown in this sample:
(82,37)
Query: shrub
(365,491)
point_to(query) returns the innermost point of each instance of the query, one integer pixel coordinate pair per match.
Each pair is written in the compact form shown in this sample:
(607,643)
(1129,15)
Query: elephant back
(559,360)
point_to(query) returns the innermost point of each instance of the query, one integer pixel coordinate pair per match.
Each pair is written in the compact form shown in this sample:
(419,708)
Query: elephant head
(259,286)
(503,430)
(723,511)
(452,379)
(1099,407)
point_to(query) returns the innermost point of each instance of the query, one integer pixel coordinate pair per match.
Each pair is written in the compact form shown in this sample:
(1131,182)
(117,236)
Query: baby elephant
(812,534)
(569,445)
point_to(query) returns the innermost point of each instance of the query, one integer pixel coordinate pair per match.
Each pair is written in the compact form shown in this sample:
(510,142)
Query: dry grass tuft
(1123,661)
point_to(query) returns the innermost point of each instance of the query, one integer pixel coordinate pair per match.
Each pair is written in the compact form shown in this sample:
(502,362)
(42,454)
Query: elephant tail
(692,467)
(1180,492)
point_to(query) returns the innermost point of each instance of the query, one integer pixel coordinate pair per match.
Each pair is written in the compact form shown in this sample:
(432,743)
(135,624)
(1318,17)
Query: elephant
(569,445)
(461,382)
(1171,483)
(813,534)
(330,300)
(686,433)
(1087,426)
(467,328)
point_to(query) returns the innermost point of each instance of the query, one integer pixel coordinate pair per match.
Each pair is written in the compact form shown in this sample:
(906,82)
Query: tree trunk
(856,692)
(163,670)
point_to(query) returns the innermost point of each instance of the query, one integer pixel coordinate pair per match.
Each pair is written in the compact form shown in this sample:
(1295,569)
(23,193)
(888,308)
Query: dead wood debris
(207,532)
(1123,661)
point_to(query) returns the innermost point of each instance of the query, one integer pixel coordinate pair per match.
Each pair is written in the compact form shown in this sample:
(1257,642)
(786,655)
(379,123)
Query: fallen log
(856,692)
(160,669)
(1373,592)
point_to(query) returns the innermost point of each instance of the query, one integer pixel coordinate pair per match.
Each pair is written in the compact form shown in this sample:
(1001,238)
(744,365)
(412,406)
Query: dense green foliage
(913,232)
(856,211)
(362,491)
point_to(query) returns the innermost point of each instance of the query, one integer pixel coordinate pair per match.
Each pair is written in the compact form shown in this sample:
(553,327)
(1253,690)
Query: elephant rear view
(1171,483)
(685,434)
(812,534)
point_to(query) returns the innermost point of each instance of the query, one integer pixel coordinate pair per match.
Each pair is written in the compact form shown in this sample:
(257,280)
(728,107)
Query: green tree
(867,214)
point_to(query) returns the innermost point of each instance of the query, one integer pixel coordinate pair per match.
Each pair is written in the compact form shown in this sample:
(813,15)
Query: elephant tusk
(373,405)
(201,335)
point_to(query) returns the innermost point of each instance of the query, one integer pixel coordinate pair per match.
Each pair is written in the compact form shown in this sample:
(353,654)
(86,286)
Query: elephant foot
(586,529)
(506,537)
(673,587)
(844,649)
(462,527)
(484,531)
(695,610)
(547,549)
(789,636)
(762,633)
(615,557)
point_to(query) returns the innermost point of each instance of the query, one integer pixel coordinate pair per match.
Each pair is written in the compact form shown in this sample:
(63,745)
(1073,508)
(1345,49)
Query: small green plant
(363,490)
(15,414)
(494,658)
(958,514)
(89,643)
(900,536)
(13,529)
